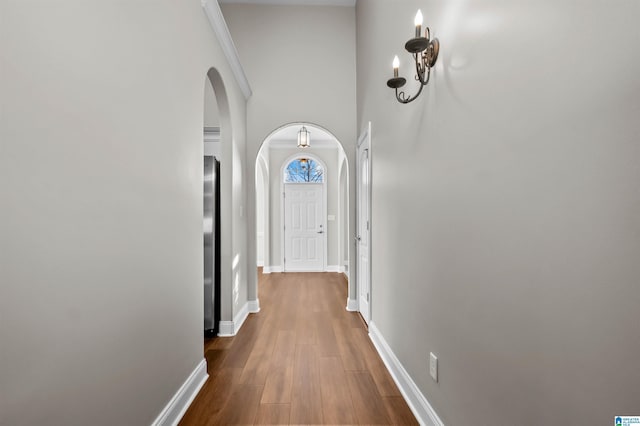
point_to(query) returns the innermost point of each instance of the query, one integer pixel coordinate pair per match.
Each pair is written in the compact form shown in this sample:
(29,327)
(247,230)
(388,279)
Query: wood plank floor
(303,359)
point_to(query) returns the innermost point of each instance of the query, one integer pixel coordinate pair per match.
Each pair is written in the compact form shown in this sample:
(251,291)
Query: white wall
(506,210)
(262,209)
(211,113)
(344,234)
(101,224)
(262,194)
(300,61)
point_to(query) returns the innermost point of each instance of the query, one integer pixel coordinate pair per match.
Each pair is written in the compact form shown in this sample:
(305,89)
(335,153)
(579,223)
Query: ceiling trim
(349,3)
(211,134)
(213,12)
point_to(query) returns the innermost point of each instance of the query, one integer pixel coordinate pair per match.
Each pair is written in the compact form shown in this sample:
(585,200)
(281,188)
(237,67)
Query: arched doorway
(217,216)
(276,151)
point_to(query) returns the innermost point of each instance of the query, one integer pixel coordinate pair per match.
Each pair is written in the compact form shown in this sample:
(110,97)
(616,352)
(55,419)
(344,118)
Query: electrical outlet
(433,366)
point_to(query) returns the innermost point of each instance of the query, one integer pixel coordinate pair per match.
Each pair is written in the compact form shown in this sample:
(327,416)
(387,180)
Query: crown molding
(211,134)
(219,25)
(347,3)
(211,131)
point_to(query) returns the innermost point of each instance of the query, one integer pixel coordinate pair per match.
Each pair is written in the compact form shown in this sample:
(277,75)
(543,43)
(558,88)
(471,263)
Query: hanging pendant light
(303,138)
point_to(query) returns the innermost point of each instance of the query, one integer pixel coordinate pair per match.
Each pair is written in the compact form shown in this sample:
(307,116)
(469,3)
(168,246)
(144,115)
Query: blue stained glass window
(304,170)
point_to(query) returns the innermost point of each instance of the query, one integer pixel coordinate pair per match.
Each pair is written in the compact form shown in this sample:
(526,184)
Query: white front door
(304,233)
(364,231)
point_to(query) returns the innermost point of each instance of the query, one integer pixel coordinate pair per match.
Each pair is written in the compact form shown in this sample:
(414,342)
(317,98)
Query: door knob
(358,238)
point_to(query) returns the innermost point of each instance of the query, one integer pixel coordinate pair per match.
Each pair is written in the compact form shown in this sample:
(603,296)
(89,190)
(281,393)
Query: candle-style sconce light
(425,53)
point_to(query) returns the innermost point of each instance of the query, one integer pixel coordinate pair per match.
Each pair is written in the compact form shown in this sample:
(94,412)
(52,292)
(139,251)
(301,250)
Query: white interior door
(364,231)
(304,233)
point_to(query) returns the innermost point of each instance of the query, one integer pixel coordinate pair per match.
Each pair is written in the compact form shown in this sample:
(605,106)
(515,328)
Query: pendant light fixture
(303,138)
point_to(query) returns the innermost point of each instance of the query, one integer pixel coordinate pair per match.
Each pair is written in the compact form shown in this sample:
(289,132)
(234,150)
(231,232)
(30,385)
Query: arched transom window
(304,170)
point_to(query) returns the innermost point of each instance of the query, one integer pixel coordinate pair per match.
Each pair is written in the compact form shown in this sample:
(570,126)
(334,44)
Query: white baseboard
(276,269)
(231,328)
(352,305)
(177,406)
(254,306)
(271,269)
(260,263)
(424,412)
(226,329)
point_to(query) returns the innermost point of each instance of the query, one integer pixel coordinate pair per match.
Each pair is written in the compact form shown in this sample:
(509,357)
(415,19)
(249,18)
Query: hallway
(302,360)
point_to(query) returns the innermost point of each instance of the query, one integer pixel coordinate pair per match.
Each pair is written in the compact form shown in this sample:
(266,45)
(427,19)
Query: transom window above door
(303,170)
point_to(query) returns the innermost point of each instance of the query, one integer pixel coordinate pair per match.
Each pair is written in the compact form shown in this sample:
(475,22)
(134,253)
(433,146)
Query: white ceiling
(350,3)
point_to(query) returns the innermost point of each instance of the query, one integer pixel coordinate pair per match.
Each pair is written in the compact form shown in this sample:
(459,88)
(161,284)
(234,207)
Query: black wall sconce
(425,53)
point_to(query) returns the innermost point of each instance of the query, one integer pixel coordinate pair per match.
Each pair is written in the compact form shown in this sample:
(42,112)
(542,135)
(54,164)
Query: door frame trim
(324,208)
(365,137)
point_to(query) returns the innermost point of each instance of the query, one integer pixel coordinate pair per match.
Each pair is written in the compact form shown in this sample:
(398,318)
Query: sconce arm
(402,97)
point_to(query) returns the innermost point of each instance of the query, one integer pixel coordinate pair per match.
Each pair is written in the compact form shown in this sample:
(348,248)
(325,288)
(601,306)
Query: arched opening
(216,201)
(211,212)
(276,153)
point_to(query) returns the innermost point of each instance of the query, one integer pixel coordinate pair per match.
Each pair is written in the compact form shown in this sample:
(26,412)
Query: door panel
(304,221)
(364,231)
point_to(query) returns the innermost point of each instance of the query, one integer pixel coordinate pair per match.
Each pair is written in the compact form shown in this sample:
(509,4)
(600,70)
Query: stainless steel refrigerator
(211,228)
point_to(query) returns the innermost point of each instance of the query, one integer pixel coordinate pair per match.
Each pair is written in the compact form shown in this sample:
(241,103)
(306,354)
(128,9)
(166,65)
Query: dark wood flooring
(303,359)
